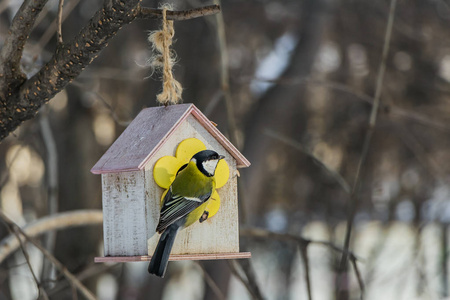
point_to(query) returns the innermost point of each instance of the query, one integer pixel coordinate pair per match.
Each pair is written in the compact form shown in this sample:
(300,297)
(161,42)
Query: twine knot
(164,59)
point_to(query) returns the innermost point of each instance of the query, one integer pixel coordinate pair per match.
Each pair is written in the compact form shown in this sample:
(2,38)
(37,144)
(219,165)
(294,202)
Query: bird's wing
(176,207)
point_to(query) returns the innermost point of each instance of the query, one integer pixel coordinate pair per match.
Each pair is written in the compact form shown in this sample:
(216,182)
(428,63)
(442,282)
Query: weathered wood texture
(149,129)
(125,222)
(174,257)
(220,234)
(148,132)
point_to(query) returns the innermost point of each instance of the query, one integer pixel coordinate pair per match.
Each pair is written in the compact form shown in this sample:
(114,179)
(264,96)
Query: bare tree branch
(235,271)
(13,231)
(106,103)
(249,272)
(392,109)
(153,13)
(444,260)
(59,21)
(53,27)
(293,143)
(11,75)
(304,254)
(419,118)
(307,80)
(212,284)
(23,100)
(89,272)
(54,222)
(225,80)
(52,185)
(358,277)
(66,64)
(88,294)
(263,233)
(428,162)
(372,122)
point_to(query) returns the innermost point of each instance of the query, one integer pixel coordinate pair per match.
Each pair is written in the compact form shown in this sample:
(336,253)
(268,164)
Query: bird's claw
(204,216)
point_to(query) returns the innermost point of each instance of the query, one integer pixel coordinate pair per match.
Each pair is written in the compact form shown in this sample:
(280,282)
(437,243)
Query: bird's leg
(204,216)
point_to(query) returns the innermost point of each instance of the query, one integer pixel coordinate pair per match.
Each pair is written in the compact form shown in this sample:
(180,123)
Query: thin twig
(234,270)
(154,13)
(52,185)
(249,272)
(304,254)
(143,13)
(89,272)
(212,104)
(376,252)
(25,254)
(419,118)
(225,77)
(74,292)
(358,277)
(52,163)
(293,143)
(211,283)
(55,222)
(13,231)
(218,24)
(59,22)
(54,27)
(368,137)
(88,294)
(418,258)
(392,109)
(444,260)
(327,84)
(131,75)
(382,69)
(11,162)
(105,103)
(263,233)
(427,161)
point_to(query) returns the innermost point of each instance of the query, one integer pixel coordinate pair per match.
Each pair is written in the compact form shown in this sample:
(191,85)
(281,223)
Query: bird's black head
(207,161)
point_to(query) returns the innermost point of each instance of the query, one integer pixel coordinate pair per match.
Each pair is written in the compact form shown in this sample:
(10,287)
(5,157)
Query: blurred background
(291,83)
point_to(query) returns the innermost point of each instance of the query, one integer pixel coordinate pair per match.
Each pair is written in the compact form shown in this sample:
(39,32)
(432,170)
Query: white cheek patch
(210,166)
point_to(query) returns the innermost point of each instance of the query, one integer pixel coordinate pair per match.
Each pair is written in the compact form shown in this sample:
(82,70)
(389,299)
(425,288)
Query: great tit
(184,204)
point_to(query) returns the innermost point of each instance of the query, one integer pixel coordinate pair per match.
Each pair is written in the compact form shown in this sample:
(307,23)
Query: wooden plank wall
(125,225)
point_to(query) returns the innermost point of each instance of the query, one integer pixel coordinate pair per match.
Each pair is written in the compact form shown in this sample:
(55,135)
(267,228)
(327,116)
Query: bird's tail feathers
(160,258)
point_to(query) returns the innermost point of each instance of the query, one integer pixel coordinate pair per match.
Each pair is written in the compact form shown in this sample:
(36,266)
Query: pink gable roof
(148,132)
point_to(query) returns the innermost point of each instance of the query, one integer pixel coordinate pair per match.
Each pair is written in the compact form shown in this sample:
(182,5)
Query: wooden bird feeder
(133,175)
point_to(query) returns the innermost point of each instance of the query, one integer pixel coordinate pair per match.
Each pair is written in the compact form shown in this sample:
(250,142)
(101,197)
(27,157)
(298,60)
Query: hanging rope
(164,60)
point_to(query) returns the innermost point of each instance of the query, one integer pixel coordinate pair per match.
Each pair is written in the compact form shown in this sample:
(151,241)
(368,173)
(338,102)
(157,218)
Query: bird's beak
(221,157)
